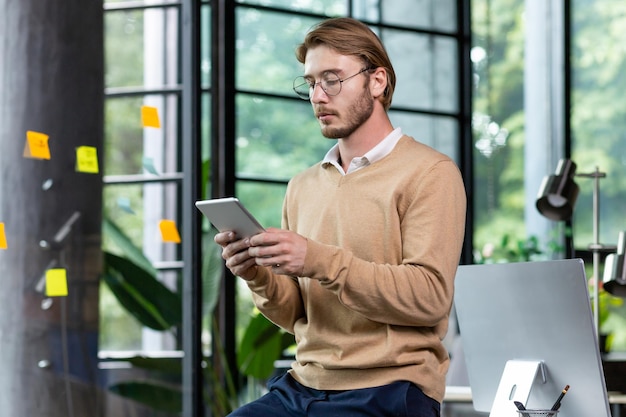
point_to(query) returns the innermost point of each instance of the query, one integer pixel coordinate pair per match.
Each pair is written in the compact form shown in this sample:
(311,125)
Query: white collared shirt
(378,152)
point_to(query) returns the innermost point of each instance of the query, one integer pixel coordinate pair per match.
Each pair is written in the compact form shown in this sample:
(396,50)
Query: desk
(456,394)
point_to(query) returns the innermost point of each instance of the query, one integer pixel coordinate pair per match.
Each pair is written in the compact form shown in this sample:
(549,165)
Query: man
(363,270)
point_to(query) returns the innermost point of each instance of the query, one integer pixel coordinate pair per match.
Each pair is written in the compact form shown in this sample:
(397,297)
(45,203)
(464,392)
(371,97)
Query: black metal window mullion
(466,141)
(223,171)
(191,154)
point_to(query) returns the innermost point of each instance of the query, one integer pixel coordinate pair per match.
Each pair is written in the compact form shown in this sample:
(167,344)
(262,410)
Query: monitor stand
(515,385)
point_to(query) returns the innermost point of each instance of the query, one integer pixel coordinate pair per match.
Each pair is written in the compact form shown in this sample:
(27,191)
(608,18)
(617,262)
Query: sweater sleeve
(419,290)
(277,297)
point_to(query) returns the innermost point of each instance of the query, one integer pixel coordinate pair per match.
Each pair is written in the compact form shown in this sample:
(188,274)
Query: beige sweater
(383,246)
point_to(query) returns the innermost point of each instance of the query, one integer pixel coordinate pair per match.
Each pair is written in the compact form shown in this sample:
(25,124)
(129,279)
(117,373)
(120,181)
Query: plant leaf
(170,366)
(260,347)
(159,397)
(127,297)
(126,246)
(147,299)
(212,271)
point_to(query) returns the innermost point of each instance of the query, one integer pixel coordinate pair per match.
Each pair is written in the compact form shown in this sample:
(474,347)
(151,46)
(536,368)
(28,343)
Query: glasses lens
(331,83)
(301,87)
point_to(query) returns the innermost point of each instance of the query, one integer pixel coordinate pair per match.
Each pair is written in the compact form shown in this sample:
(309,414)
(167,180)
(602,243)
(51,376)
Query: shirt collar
(378,152)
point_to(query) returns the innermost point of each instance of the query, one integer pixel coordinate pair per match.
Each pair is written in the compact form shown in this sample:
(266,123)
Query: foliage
(134,283)
(139,292)
(261,341)
(159,397)
(609,307)
(520,250)
(607,303)
(611,315)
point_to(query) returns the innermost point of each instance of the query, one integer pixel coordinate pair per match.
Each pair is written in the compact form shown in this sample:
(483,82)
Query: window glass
(137,209)
(440,132)
(426,70)
(141,165)
(205,116)
(123,31)
(266,44)
(132,149)
(119,331)
(326,7)
(277,138)
(423,14)
(123,145)
(205,16)
(498,130)
(597,128)
(598,122)
(263,200)
(141,47)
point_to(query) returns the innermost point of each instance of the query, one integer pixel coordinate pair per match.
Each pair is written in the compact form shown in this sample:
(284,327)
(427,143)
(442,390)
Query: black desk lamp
(615,269)
(556,200)
(558,192)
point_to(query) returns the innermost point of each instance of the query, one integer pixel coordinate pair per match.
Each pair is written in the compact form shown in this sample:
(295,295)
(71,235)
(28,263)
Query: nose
(318,94)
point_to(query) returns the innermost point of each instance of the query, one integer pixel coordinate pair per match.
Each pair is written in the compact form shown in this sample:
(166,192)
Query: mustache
(319,111)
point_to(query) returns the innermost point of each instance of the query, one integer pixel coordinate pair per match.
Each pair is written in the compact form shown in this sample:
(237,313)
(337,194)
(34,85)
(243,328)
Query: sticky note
(87,159)
(3,238)
(56,282)
(36,145)
(169,233)
(150,116)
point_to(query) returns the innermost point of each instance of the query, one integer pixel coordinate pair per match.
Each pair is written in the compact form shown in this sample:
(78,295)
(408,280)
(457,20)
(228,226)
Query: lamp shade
(614,279)
(558,192)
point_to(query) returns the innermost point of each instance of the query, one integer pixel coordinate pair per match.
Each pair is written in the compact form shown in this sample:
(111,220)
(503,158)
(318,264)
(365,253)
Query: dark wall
(51,81)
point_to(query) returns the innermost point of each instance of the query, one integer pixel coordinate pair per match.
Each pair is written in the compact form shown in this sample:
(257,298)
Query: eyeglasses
(330,83)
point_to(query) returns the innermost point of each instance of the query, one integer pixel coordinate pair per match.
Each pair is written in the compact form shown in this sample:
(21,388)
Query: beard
(354,117)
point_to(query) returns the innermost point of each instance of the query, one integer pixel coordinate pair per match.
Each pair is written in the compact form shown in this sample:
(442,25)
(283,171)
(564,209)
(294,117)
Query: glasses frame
(300,81)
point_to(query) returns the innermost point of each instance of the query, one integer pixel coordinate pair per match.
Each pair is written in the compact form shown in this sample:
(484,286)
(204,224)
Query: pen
(520,407)
(557,403)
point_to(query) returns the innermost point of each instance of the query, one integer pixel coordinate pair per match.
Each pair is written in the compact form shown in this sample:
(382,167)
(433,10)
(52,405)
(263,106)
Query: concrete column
(51,81)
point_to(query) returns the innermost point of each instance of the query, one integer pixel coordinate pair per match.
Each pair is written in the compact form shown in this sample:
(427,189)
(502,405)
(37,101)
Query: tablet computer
(228,214)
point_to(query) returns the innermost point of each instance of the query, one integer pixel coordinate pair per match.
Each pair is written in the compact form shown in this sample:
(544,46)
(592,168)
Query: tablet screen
(228,214)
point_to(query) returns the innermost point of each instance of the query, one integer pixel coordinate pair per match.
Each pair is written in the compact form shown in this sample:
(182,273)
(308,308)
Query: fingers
(281,250)
(230,244)
(245,269)
(235,253)
(224,238)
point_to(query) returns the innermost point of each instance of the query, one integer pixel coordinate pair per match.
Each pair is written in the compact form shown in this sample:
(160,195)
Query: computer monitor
(527,313)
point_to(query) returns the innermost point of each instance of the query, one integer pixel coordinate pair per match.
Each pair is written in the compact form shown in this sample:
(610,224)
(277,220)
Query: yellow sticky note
(36,145)
(169,233)
(87,159)
(150,116)
(56,282)
(3,238)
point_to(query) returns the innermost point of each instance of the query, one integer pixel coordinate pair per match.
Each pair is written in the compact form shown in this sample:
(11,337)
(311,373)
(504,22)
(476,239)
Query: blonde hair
(349,36)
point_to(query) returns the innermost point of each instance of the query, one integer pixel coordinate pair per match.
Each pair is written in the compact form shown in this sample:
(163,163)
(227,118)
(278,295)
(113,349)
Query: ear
(378,82)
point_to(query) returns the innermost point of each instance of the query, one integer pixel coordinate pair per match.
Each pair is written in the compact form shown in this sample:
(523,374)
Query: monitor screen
(531,311)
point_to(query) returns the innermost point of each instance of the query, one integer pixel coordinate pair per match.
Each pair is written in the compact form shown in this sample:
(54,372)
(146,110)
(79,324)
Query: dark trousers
(288,398)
